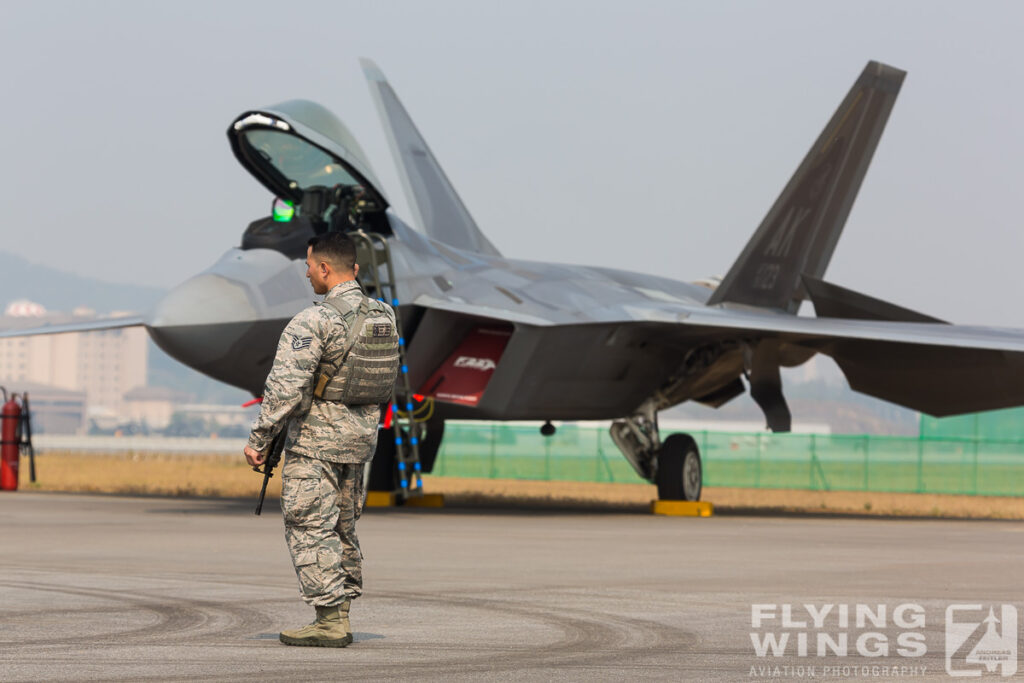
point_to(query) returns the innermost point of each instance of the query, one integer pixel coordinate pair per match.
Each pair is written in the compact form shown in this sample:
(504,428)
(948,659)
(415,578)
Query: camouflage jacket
(317,429)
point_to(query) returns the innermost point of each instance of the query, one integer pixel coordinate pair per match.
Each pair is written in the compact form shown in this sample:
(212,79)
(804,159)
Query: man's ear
(325,269)
(355,270)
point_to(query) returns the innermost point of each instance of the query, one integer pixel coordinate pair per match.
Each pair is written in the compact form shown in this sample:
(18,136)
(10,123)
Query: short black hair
(336,248)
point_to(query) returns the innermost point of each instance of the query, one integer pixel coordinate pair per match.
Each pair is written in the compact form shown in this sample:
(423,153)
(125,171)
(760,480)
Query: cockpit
(316,171)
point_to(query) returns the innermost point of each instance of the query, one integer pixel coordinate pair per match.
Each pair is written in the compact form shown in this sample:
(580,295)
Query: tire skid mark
(177,619)
(98,609)
(588,639)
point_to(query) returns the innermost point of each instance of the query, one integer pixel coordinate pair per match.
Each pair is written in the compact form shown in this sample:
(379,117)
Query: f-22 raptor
(486,337)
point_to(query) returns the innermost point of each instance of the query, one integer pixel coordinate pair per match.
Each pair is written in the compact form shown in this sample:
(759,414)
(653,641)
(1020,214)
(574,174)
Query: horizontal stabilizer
(432,198)
(934,380)
(799,233)
(833,301)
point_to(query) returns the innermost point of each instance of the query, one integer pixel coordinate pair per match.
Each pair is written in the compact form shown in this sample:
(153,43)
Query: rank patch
(299,343)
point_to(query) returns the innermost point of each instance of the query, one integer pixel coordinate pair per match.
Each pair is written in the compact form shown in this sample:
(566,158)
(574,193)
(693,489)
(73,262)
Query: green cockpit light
(283,210)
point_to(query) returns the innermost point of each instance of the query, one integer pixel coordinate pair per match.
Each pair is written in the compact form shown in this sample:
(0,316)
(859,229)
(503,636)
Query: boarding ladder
(377,274)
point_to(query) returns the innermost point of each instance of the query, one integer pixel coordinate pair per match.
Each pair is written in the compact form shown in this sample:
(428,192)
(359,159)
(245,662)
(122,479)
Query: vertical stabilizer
(800,232)
(438,209)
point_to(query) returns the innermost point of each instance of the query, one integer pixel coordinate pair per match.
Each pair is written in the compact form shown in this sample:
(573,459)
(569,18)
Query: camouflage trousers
(321,502)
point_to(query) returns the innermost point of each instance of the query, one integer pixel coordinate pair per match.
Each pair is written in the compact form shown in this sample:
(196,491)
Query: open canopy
(299,145)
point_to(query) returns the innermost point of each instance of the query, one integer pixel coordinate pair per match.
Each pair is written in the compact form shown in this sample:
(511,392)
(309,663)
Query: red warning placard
(463,377)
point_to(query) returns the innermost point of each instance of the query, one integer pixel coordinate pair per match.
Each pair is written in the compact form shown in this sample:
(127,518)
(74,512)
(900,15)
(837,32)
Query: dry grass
(228,476)
(868,503)
(161,474)
(732,500)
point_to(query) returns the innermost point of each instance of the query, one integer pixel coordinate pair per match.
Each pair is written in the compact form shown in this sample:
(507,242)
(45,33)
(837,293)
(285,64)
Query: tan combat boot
(331,629)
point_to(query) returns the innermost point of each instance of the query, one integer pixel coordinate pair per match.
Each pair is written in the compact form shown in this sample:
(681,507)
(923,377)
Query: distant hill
(61,291)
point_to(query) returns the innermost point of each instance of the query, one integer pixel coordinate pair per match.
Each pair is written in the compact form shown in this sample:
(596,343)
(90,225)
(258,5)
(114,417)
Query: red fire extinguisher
(10,443)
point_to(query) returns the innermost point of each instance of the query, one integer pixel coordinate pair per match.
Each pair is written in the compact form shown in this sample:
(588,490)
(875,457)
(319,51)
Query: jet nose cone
(226,322)
(215,324)
(204,300)
(203,322)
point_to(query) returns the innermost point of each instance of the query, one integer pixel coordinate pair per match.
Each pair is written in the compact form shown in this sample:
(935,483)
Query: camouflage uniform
(325,450)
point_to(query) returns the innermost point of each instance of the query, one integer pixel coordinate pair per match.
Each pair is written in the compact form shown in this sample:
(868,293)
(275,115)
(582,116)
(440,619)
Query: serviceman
(336,364)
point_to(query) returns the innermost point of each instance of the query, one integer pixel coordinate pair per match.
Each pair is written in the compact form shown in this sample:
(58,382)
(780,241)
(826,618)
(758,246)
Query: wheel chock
(427,500)
(380,499)
(388,499)
(682,508)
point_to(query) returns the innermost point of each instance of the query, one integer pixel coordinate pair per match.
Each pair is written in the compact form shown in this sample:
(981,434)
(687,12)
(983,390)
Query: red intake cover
(464,376)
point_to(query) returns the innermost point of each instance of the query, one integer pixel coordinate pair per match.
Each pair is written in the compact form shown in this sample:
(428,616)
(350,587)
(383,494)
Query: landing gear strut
(674,465)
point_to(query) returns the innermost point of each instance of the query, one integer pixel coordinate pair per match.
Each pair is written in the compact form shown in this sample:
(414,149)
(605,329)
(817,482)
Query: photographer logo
(981,639)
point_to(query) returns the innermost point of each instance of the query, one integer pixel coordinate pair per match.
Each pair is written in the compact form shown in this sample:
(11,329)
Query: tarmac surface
(117,588)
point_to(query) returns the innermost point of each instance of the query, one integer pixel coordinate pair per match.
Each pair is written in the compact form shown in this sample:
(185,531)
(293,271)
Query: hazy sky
(649,136)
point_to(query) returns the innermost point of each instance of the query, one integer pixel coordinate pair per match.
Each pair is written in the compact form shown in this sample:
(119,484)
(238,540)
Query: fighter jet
(487,337)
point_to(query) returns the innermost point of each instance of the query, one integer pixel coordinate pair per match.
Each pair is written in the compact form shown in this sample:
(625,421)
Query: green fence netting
(994,424)
(820,462)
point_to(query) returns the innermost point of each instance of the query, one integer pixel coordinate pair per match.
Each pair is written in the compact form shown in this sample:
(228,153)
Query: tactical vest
(366,369)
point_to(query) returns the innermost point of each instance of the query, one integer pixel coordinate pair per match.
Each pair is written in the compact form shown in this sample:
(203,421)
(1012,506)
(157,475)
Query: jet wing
(935,368)
(84,326)
(803,329)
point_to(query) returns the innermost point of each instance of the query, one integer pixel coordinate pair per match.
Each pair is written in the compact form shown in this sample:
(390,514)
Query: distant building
(104,365)
(153,406)
(224,415)
(23,308)
(54,410)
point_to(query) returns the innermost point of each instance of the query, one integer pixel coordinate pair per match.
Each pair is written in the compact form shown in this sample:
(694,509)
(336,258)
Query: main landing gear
(673,464)
(679,471)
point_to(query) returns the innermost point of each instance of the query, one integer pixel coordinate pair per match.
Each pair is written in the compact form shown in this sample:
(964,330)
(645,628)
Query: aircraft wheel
(679,469)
